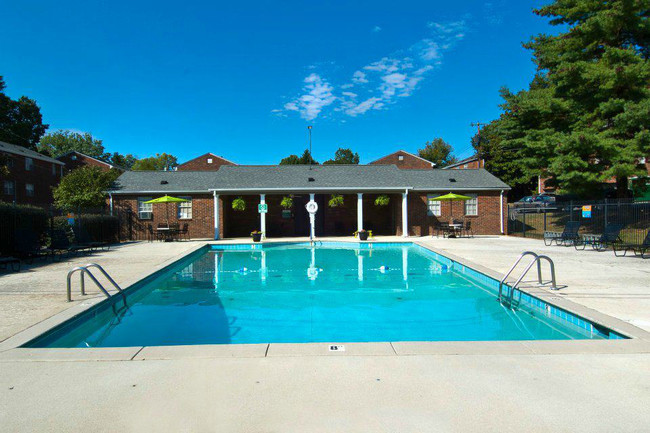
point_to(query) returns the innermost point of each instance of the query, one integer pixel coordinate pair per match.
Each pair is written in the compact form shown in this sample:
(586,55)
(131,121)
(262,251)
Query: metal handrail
(84,270)
(537,260)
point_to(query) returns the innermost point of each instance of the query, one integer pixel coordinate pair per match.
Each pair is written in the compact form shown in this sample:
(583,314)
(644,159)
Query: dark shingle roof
(23,151)
(296,178)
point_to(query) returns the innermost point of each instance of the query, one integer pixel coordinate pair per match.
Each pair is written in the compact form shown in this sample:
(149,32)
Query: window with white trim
(9,187)
(434,207)
(145,210)
(29,190)
(29,164)
(471,205)
(185,209)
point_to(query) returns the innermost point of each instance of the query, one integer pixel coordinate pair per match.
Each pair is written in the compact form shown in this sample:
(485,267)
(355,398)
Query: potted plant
(336,200)
(362,234)
(256,235)
(382,200)
(287,202)
(239,204)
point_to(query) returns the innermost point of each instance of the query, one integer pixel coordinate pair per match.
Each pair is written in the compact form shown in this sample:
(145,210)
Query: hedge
(15,219)
(91,227)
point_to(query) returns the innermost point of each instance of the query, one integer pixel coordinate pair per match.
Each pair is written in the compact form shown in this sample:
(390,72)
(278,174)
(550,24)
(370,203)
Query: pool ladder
(537,260)
(83,270)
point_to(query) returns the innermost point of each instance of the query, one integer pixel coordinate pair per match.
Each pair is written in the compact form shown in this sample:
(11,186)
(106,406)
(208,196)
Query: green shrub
(90,228)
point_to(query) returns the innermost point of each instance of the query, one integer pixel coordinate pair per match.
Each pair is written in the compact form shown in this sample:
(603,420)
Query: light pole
(310,157)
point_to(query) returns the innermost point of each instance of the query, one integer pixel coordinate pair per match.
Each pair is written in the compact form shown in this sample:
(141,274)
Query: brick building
(74,159)
(405,161)
(412,209)
(473,162)
(31,176)
(207,162)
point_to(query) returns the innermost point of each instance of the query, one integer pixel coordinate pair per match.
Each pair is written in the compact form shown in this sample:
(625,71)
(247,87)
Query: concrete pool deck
(472,386)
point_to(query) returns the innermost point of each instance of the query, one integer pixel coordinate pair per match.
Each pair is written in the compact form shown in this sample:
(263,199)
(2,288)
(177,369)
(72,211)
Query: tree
(61,142)
(438,152)
(343,156)
(296,160)
(123,161)
(160,162)
(584,118)
(21,122)
(84,187)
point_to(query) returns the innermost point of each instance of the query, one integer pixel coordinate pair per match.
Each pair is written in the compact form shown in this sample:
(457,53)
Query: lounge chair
(638,249)
(27,246)
(83,238)
(61,244)
(610,236)
(5,262)
(569,234)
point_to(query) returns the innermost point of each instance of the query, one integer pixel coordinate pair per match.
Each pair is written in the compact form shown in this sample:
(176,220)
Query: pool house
(380,198)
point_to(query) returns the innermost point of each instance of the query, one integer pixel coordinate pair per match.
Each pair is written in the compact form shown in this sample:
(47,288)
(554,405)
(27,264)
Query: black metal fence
(532,221)
(28,228)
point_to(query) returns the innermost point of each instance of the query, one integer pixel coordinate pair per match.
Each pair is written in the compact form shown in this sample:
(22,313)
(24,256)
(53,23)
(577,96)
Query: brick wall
(420,223)
(470,165)
(201,225)
(408,161)
(201,163)
(42,176)
(76,160)
(382,220)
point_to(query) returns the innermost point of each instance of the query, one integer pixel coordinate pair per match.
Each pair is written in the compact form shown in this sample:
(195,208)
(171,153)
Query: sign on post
(263,208)
(586,211)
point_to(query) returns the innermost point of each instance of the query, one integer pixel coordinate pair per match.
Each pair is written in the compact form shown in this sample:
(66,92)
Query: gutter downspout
(501,211)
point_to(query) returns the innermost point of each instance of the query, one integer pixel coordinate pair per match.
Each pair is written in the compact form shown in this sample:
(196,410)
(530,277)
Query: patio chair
(6,262)
(610,236)
(436,227)
(446,229)
(638,249)
(569,234)
(468,229)
(184,232)
(83,238)
(151,235)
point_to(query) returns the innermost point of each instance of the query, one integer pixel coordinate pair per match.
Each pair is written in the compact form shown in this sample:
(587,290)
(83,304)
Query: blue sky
(244,80)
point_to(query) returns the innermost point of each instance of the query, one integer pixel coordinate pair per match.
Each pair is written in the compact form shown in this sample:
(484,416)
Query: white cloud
(379,84)
(317,94)
(359,78)
(376,29)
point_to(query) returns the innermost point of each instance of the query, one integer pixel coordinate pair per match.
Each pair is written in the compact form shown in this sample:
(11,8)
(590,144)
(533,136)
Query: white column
(110,198)
(405,264)
(263,269)
(216,215)
(263,216)
(359,211)
(312,218)
(360,266)
(405,214)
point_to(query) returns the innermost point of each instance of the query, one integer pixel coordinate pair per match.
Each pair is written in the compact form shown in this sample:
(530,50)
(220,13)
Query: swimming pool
(333,292)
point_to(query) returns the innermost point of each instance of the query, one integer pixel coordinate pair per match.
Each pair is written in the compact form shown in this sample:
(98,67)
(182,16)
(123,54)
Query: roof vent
(311,179)
(451,179)
(163,182)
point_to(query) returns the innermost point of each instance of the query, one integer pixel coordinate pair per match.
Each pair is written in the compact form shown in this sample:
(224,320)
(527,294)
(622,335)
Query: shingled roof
(302,178)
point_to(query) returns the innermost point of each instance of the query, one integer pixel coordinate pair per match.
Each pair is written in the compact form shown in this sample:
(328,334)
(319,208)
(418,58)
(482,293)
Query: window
(400,157)
(29,164)
(209,160)
(185,209)
(53,169)
(471,205)
(29,190)
(145,210)
(9,187)
(434,206)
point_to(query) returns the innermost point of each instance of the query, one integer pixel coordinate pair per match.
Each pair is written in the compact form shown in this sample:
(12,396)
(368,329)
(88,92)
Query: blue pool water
(330,293)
